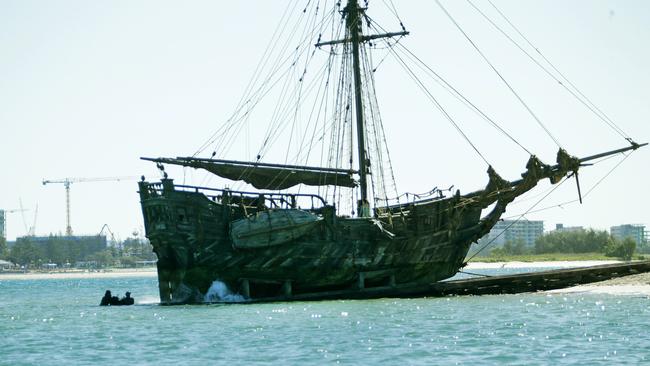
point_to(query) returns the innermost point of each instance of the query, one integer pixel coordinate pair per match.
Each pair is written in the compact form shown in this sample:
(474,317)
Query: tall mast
(353,24)
(354,28)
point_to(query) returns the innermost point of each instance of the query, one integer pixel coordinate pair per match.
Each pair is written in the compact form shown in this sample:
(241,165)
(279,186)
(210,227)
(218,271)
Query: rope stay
(246,98)
(449,88)
(581,97)
(530,210)
(475,274)
(252,97)
(518,218)
(459,96)
(383,172)
(560,205)
(329,120)
(225,137)
(439,106)
(512,90)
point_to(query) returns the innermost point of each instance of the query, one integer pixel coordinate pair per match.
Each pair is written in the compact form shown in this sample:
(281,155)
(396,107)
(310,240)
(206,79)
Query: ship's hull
(266,246)
(191,234)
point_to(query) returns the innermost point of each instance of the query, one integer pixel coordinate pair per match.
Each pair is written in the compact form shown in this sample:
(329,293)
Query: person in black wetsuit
(109,299)
(106,300)
(115,301)
(127,300)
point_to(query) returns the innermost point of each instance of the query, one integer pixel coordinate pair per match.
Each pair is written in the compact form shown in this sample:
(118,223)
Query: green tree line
(577,241)
(4,250)
(62,251)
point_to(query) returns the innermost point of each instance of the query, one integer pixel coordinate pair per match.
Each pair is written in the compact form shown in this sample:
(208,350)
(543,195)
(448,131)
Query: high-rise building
(562,228)
(635,231)
(3,224)
(504,231)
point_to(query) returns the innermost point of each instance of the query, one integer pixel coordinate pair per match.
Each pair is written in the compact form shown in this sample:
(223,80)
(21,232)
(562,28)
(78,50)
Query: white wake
(219,292)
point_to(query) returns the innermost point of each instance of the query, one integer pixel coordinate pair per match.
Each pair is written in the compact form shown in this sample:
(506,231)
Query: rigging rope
(383,142)
(458,95)
(251,98)
(586,194)
(447,86)
(244,100)
(530,210)
(519,218)
(439,106)
(530,111)
(475,274)
(586,101)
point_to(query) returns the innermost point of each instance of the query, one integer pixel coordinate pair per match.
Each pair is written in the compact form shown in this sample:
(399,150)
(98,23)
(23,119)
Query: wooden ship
(275,242)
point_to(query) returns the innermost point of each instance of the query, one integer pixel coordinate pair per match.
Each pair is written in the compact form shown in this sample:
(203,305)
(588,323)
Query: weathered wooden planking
(507,284)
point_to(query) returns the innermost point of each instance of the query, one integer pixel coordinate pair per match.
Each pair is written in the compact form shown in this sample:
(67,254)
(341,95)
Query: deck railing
(273,200)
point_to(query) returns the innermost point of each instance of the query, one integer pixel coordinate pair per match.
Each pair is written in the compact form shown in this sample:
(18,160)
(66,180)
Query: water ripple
(58,321)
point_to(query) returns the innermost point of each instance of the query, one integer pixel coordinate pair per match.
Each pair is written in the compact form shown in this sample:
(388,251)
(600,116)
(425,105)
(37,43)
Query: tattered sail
(267,176)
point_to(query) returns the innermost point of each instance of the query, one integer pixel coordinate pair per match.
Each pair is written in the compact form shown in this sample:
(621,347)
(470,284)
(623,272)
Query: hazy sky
(87,87)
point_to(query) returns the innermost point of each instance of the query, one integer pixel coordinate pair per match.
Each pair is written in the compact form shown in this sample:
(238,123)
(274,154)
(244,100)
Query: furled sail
(267,176)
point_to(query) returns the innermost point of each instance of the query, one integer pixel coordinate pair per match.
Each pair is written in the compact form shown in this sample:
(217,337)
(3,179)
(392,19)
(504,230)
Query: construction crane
(68,181)
(15,210)
(32,229)
(114,241)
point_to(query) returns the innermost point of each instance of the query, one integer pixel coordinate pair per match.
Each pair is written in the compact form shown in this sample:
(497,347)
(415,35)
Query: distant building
(6,265)
(513,231)
(562,228)
(3,224)
(635,231)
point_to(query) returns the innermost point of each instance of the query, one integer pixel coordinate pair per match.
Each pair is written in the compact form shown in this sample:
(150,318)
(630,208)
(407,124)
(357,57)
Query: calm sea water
(55,322)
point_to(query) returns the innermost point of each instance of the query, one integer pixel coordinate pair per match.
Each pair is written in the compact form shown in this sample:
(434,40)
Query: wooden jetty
(488,285)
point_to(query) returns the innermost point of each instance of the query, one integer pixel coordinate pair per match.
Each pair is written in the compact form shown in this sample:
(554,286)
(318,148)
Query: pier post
(391,280)
(245,288)
(361,280)
(286,288)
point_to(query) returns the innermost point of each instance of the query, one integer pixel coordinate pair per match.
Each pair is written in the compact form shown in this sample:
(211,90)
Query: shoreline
(152,271)
(638,284)
(541,264)
(81,274)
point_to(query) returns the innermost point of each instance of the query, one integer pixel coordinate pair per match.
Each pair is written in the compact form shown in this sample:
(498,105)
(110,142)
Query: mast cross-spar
(353,23)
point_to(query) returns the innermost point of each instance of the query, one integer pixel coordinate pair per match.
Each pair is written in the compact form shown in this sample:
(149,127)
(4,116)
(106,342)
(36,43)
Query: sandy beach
(554,264)
(78,274)
(638,284)
(635,284)
(151,271)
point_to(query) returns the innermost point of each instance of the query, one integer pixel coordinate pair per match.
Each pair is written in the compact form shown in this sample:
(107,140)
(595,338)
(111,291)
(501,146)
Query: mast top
(353,4)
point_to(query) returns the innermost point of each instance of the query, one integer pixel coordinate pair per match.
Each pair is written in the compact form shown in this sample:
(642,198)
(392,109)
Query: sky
(88,87)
